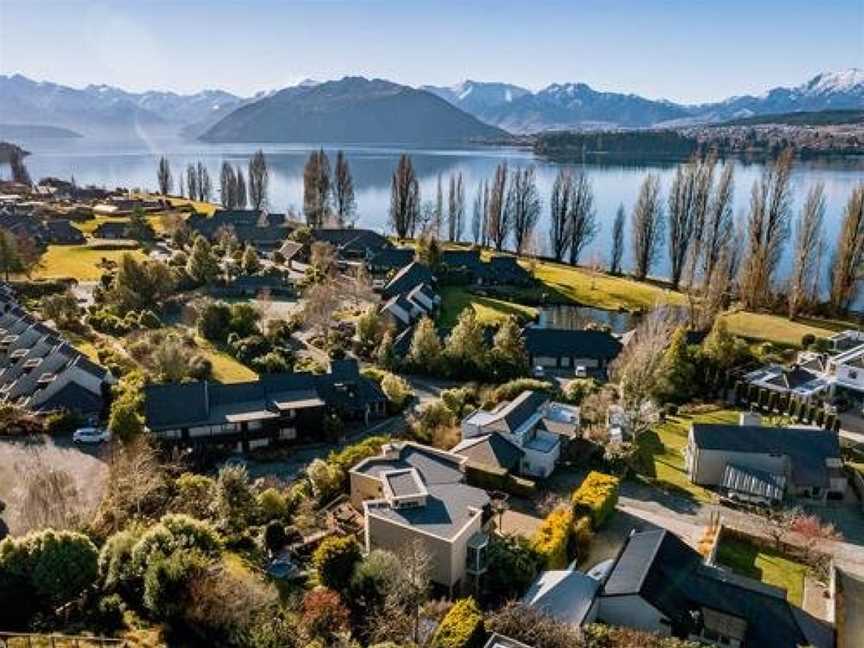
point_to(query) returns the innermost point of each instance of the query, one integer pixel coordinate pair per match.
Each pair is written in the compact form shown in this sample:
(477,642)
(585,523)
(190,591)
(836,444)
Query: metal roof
(754,482)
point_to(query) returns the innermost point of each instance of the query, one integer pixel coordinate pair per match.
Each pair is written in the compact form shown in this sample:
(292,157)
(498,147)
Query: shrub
(194,495)
(272,504)
(510,390)
(398,392)
(334,560)
(579,388)
(807,340)
(214,322)
(552,538)
(234,501)
(115,561)
(596,497)
(150,320)
(582,535)
(512,566)
(324,613)
(109,613)
(166,582)
(172,533)
(62,422)
(462,627)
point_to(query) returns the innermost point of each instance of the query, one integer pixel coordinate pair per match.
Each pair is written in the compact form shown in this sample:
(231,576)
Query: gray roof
(492,450)
(806,448)
(515,413)
(404,483)
(407,278)
(567,342)
(500,641)
(754,482)
(434,467)
(566,595)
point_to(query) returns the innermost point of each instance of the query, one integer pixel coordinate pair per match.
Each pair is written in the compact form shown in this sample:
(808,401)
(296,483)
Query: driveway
(86,467)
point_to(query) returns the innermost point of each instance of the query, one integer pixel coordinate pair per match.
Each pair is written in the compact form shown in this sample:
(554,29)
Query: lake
(133,164)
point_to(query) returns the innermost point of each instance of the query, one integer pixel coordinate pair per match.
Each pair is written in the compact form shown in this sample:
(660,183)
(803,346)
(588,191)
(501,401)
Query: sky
(687,51)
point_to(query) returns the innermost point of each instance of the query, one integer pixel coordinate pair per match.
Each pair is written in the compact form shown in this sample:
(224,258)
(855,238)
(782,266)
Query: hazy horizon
(680,51)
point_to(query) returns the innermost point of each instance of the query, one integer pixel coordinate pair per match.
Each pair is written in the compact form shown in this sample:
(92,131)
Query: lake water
(133,164)
(566,316)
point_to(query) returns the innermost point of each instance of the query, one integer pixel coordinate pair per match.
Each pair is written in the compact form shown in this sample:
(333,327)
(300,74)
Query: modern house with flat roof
(288,407)
(416,493)
(763,464)
(525,433)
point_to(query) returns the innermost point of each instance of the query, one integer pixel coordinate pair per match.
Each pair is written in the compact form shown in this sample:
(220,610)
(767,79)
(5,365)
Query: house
(112,230)
(565,349)
(499,270)
(352,243)
(404,309)
(659,584)
(62,232)
(531,422)
(412,492)
(762,464)
(42,372)
(408,278)
(286,407)
(274,284)
(567,595)
(264,230)
(390,259)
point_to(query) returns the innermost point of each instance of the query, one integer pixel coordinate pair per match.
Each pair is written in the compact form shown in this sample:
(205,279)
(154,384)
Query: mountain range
(355,109)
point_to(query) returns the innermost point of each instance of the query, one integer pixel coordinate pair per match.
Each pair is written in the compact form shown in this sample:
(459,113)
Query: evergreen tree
(677,371)
(250,262)
(425,352)
(386,355)
(508,350)
(202,266)
(465,349)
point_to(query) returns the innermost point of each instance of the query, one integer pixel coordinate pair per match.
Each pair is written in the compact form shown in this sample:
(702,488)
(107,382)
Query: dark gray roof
(392,258)
(566,342)
(807,449)
(74,398)
(671,576)
(407,278)
(404,483)
(492,450)
(434,467)
(515,413)
(352,240)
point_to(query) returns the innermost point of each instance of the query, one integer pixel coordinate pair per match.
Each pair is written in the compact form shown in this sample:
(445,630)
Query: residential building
(264,230)
(288,407)
(565,349)
(390,260)
(404,309)
(499,270)
(416,493)
(412,275)
(567,595)
(113,230)
(762,464)
(41,371)
(657,583)
(352,243)
(531,422)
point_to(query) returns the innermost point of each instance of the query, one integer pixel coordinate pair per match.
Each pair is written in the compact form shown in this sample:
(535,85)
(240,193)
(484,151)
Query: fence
(29,640)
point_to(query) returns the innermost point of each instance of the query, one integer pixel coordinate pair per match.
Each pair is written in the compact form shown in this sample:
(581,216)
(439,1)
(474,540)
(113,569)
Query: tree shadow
(740,557)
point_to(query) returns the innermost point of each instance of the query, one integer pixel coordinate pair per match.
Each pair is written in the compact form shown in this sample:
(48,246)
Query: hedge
(552,538)
(596,497)
(461,627)
(493,478)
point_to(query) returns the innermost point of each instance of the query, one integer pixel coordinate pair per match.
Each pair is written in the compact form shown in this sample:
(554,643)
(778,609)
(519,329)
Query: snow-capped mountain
(478,97)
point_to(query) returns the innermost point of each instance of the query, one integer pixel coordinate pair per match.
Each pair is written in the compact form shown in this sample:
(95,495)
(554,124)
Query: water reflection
(567,316)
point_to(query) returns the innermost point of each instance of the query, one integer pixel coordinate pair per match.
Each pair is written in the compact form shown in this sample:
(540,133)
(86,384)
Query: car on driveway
(538,372)
(91,435)
(581,371)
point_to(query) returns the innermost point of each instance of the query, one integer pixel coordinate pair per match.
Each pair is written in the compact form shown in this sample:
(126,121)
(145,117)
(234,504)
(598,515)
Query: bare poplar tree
(617,241)
(582,218)
(205,187)
(484,230)
(451,208)
(849,255)
(460,208)
(316,189)
(559,213)
(688,202)
(259,179)
(239,188)
(808,249)
(192,181)
(182,185)
(477,218)
(404,199)
(228,186)
(163,175)
(767,230)
(719,225)
(344,202)
(646,234)
(523,205)
(438,215)
(497,223)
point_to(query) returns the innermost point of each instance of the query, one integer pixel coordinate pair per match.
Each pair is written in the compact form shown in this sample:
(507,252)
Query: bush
(578,388)
(462,627)
(596,497)
(214,322)
(115,561)
(552,538)
(63,422)
(324,613)
(807,340)
(582,536)
(194,495)
(166,582)
(109,613)
(274,536)
(513,565)
(149,320)
(172,533)
(398,392)
(334,560)
(510,390)
(272,504)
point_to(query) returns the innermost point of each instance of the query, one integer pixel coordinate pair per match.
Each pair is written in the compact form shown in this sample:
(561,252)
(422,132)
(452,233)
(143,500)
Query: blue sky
(681,50)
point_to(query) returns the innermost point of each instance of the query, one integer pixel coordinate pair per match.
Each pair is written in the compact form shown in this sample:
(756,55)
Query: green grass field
(661,453)
(774,328)
(454,299)
(766,565)
(79,262)
(225,368)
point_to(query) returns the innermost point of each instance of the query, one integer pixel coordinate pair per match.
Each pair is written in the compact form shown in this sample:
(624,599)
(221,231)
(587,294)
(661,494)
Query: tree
(324,613)
(404,199)
(10,261)
(316,189)
(167,581)
(523,202)
(321,299)
(140,285)
(163,176)
(259,180)
(512,566)
(20,174)
(455,207)
(344,203)
(676,371)
(719,225)
(125,421)
(425,351)
(385,356)
(202,266)
(508,350)
(646,235)
(139,229)
(233,500)
(214,321)
(617,241)
(250,262)
(428,251)
(228,186)
(205,187)
(50,498)
(62,309)
(465,349)
(808,250)
(399,617)
(477,218)
(498,224)
(582,218)
(688,204)
(334,561)
(374,578)
(397,390)
(559,213)
(525,624)
(369,329)
(849,254)
(239,189)
(767,230)
(192,181)
(438,214)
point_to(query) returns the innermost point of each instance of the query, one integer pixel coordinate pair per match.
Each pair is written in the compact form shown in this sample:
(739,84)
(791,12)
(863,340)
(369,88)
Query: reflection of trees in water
(570,317)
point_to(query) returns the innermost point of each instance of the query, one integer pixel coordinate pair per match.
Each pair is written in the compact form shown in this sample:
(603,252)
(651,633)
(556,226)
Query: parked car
(91,435)
(581,372)
(538,372)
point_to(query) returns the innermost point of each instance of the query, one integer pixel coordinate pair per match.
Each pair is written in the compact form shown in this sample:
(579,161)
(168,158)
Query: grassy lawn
(454,299)
(225,368)
(774,328)
(661,453)
(601,290)
(79,262)
(766,565)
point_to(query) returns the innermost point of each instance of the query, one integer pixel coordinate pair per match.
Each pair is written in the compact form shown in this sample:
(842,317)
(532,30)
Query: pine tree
(250,262)
(386,355)
(425,351)
(508,350)
(202,266)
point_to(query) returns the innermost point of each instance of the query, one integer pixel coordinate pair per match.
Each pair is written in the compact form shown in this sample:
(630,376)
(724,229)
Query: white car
(581,372)
(90,435)
(539,372)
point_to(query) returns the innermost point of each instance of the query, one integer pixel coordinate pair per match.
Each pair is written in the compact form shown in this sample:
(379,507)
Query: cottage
(408,278)
(287,407)
(352,243)
(264,230)
(565,349)
(113,230)
(762,464)
(390,260)
(62,232)
(531,422)
(413,492)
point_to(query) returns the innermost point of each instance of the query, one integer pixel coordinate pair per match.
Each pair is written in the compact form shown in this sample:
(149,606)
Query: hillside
(813,118)
(352,109)
(25,131)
